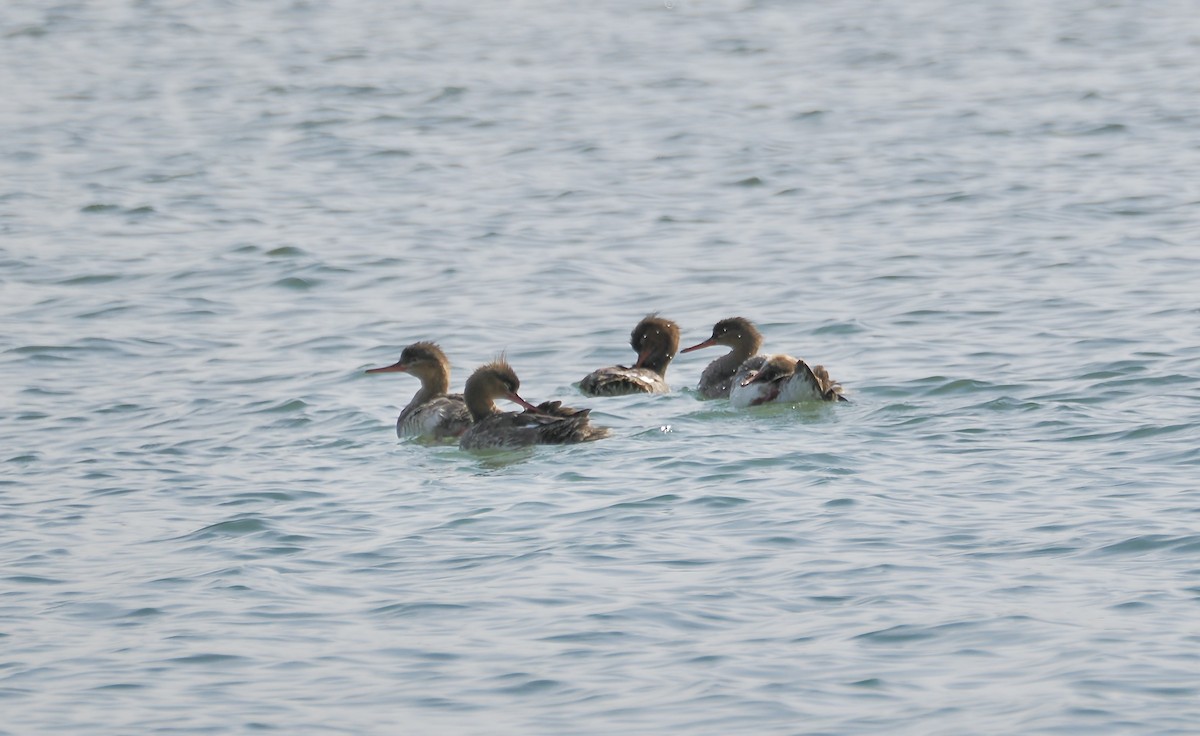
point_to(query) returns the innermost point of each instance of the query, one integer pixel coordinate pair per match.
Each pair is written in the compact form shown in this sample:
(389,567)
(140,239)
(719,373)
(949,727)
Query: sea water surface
(981,217)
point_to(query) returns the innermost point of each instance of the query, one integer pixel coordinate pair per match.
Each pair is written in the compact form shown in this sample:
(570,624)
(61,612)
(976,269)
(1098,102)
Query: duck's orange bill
(512,396)
(706,344)
(398,367)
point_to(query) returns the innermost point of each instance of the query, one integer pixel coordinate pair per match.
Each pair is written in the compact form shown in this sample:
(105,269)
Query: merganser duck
(432,413)
(656,340)
(785,380)
(549,423)
(733,367)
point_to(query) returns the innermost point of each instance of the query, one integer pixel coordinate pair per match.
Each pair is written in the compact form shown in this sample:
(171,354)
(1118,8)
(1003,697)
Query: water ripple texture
(980,217)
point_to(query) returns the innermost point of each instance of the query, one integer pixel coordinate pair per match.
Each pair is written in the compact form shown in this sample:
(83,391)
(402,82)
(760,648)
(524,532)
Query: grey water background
(981,217)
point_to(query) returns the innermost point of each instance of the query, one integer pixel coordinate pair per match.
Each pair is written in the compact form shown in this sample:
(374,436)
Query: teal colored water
(982,218)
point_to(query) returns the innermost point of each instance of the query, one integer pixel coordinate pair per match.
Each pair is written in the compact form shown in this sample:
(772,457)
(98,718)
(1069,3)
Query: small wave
(718,502)
(296,283)
(529,687)
(663,500)
(286,251)
(1152,543)
(232,528)
(408,610)
(210,658)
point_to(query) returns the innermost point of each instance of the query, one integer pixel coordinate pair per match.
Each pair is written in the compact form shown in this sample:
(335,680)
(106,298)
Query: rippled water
(982,217)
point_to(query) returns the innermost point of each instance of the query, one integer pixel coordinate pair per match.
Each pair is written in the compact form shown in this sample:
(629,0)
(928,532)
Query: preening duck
(549,423)
(785,380)
(655,340)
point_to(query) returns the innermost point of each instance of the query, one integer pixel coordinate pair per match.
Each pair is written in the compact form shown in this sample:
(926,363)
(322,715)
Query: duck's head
(496,380)
(735,332)
(421,359)
(656,341)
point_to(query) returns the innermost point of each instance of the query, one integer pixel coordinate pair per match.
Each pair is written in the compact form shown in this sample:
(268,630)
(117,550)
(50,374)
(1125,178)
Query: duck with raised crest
(656,340)
(432,413)
(783,379)
(549,423)
(745,340)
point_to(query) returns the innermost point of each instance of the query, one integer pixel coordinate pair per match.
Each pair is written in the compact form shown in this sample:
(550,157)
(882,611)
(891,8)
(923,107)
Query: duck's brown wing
(618,380)
(563,425)
(551,424)
(441,418)
(571,429)
(823,386)
(453,417)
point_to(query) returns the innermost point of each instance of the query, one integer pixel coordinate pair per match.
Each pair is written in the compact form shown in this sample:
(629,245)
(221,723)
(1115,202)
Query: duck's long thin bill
(706,344)
(512,396)
(394,368)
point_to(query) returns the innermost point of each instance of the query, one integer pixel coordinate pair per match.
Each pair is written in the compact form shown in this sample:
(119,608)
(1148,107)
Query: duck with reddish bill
(739,334)
(432,413)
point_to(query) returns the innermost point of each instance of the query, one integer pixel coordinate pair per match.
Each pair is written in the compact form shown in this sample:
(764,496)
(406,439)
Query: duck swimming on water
(656,340)
(549,423)
(745,340)
(783,379)
(432,413)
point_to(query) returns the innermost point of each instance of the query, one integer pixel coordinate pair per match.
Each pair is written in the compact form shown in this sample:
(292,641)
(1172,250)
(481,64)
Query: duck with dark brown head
(655,340)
